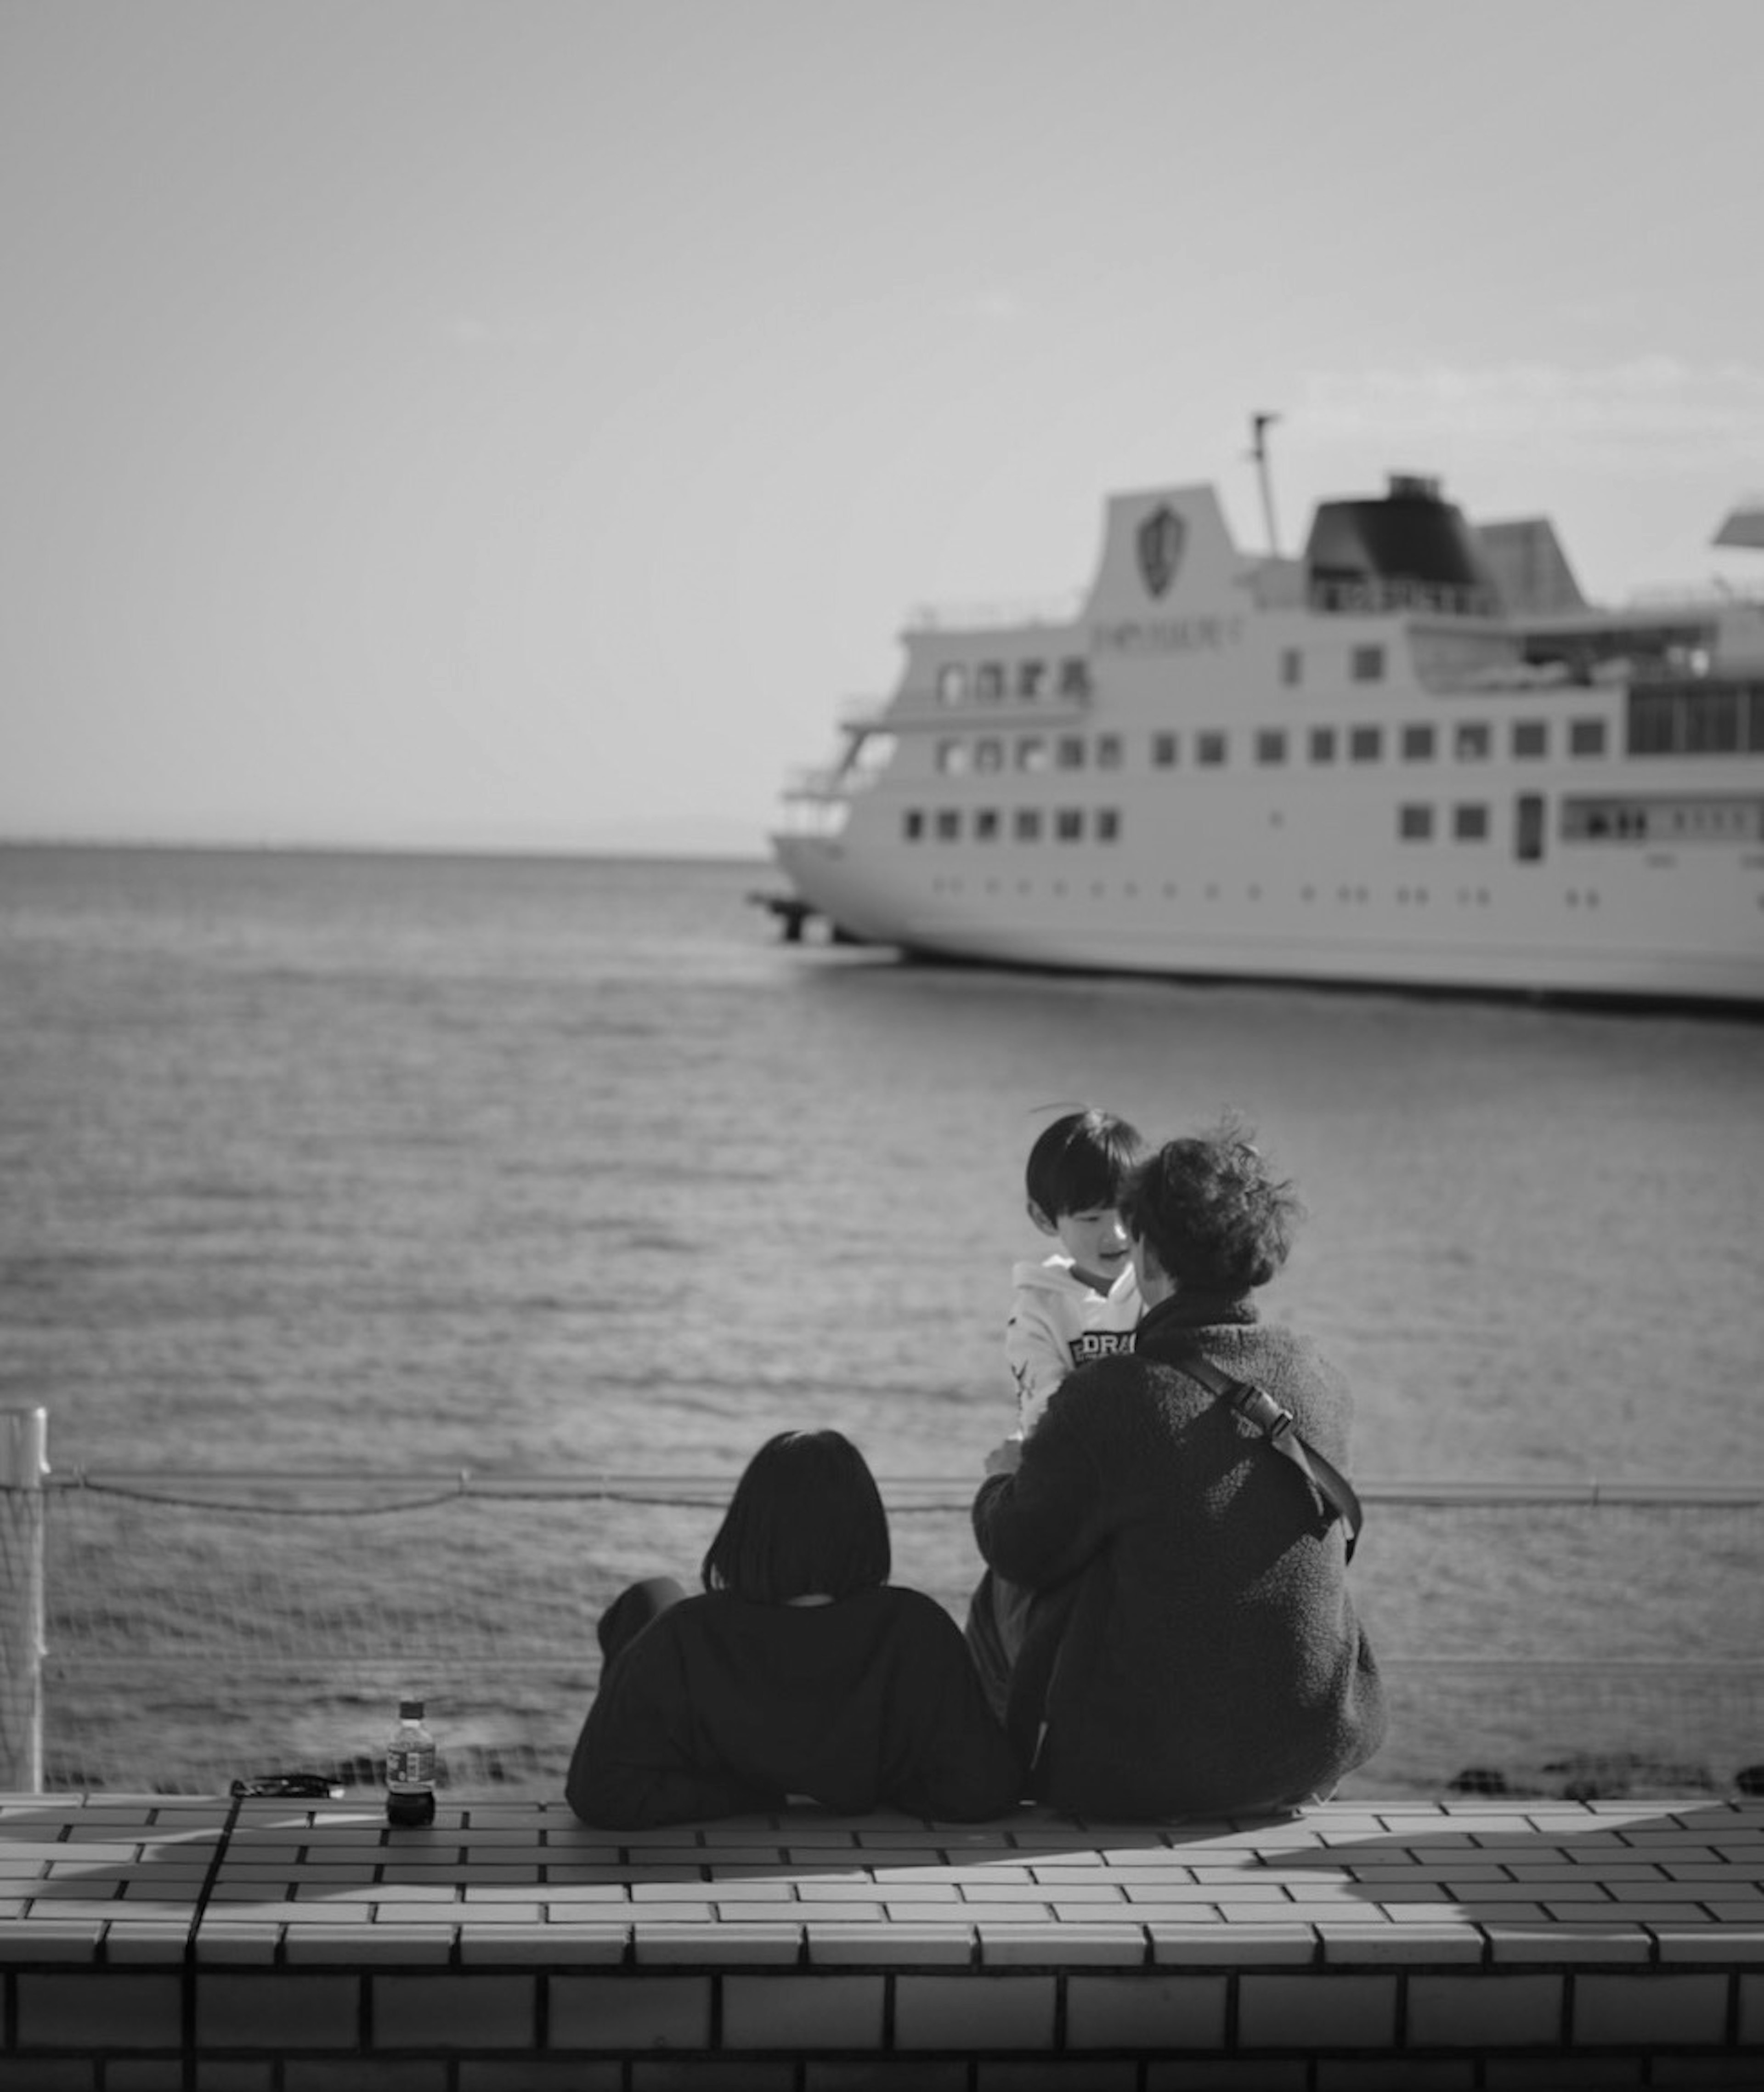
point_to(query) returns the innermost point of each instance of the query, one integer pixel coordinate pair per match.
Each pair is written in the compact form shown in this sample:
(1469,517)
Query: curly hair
(1214,1215)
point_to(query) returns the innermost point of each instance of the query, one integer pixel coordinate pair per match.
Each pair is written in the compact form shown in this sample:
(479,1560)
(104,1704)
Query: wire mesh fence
(202,1628)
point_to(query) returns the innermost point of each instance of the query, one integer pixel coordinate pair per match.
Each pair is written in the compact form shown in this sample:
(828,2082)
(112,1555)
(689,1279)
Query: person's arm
(635,1763)
(1039,1524)
(956,1766)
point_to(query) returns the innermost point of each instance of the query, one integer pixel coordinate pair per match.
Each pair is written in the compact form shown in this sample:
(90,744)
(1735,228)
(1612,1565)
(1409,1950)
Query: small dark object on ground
(280,1786)
(1478,1779)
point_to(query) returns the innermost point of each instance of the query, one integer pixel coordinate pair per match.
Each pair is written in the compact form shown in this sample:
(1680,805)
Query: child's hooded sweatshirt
(1058,1321)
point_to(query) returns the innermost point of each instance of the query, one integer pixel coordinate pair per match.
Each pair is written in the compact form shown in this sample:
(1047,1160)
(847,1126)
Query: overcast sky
(524,424)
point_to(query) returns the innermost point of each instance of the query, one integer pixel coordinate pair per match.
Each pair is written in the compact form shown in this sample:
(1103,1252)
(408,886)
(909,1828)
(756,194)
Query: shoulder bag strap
(1278,1426)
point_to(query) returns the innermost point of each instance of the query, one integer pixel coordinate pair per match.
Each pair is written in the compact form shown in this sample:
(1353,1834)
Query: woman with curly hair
(1193,1648)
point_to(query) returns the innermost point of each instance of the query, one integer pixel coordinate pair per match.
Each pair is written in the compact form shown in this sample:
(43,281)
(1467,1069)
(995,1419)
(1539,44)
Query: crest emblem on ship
(1160,548)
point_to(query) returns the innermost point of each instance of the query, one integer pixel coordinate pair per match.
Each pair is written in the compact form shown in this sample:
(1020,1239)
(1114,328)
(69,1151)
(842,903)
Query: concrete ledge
(151,1940)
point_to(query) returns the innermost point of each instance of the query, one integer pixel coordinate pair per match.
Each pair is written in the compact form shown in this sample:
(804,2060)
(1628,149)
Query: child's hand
(1005,1459)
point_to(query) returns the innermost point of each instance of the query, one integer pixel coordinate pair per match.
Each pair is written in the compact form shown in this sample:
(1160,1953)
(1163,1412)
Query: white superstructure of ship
(1413,756)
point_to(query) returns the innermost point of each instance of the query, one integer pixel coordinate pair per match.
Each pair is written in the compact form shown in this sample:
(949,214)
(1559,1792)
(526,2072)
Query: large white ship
(1414,756)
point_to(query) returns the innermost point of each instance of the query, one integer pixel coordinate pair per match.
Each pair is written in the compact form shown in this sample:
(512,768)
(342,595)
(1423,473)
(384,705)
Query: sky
(527,424)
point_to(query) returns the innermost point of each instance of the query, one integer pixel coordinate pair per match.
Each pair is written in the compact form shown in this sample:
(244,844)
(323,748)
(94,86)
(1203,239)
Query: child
(799,1672)
(1080,1302)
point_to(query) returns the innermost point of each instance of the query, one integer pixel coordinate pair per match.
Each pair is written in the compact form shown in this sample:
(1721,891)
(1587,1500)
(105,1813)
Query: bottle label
(411,1768)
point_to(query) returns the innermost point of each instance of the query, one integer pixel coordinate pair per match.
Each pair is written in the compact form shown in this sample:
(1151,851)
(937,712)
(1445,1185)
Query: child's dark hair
(1212,1212)
(806,1517)
(1080,1162)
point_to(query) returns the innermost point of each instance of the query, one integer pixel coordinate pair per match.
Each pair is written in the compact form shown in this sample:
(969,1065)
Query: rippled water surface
(390,1164)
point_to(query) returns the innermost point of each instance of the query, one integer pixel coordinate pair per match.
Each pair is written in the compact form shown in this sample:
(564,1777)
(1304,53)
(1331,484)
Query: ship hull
(1565,934)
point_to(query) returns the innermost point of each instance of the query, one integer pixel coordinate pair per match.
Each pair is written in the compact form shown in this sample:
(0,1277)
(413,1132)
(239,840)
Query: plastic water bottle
(410,1768)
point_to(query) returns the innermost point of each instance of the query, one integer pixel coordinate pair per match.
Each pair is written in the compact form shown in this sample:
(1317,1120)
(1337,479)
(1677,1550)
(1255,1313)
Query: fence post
(23,1444)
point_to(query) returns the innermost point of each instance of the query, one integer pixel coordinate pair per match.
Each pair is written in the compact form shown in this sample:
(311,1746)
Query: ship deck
(170,1941)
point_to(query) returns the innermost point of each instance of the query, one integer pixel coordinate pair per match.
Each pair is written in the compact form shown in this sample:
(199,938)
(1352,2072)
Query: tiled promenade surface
(149,1942)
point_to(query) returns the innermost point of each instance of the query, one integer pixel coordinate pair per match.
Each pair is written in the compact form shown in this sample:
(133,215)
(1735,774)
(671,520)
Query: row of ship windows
(1702,716)
(1721,717)
(1103,824)
(991,682)
(1472,740)
(1405,896)
(1632,820)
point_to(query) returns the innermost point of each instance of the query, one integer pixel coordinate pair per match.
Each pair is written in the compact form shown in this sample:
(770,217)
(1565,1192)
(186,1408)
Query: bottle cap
(410,1710)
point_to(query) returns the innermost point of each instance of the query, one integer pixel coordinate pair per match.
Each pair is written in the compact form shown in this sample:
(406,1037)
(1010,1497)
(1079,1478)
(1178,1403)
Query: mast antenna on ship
(1259,426)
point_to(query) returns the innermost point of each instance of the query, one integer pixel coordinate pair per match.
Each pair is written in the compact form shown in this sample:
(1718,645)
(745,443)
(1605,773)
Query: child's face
(1095,1240)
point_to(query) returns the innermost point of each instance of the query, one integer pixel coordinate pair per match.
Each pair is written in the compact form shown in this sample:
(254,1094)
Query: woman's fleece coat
(1193,1648)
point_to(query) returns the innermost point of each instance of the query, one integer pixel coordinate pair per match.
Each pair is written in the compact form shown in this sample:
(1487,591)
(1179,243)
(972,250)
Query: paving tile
(231,1941)
(139,1941)
(1346,1944)
(831,1942)
(352,1946)
(522,1946)
(1057,1944)
(813,2013)
(767,1942)
(1245,1946)
(428,1917)
(1656,2010)
(1566,1943)
(1504,2010)
(454,2010)
(909,1910)
(999,2010)
(1316,2011)
(1735,1942)
(57,1939)
(1162,2011)
(627,2010)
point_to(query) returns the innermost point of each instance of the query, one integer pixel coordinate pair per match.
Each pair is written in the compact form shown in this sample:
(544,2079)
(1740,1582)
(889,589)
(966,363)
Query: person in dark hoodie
(1193,1648)
(798,1673)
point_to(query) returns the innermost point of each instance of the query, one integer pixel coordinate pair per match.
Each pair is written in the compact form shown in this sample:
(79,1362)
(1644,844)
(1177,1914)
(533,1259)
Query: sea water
(392,1166)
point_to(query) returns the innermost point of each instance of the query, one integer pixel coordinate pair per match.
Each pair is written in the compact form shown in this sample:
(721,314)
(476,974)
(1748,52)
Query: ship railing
(1379,598)
(169,1628)
(829,782)
(1717,593)
(998,614)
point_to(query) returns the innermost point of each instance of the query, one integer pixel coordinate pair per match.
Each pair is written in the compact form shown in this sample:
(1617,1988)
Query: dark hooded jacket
(1192,1648)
